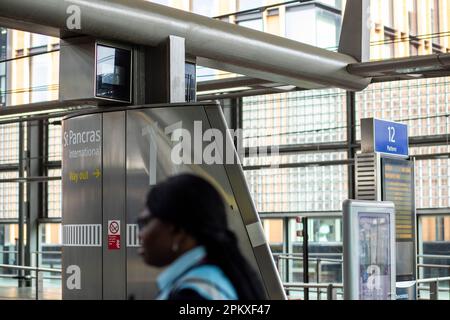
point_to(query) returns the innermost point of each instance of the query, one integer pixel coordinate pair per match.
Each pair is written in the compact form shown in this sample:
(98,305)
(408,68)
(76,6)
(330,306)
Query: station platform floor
(29,293)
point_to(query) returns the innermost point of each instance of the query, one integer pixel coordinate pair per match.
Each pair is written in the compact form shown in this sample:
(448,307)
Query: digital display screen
(398,187)
(113,73)
(374,256)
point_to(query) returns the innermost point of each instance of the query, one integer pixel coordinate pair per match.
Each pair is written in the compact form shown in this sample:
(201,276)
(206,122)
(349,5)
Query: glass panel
(302,189)
(313,116)
(8,253)
(54,195)
(249,4)
(422,104)
(36,79)
(432,183)
(209,8)
(163,2)
(294,31)
(319,27)
(9,143)
(39,40)
(9,196)
(3,43)
(328,29)
(54,141)
(50,243)
(273,229)
(434,246)
(325,250)
(256,24)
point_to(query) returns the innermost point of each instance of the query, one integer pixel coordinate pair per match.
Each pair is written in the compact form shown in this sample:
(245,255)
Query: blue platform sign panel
(391,137)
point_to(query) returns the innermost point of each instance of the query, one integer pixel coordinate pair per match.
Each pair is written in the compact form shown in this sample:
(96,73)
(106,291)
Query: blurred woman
(184,227)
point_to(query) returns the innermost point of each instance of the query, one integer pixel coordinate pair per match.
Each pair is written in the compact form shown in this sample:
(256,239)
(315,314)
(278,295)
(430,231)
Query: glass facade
(324,25)
(311,178)
(3,50)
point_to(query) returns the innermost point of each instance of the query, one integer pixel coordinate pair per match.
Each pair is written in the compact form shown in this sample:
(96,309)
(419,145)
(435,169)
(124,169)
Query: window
(38,40)
(50,243)
(313,25)
(163,2)
(434,245)
(9,196)
(273,229)
(8,245)
(54,194)
(412,17)
(333,3)
(435,21)
(328,29)
(249,4)
(422,104)
(388,8)
(388,46)
(256,24)
(9,143)
(41,78)
(54,141)
(209,8)
(3,43)
(306,30)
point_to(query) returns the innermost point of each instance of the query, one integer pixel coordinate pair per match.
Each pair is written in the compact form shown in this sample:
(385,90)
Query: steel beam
(217,44)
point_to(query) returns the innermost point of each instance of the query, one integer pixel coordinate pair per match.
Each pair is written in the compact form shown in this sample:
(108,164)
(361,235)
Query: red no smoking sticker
(114,234)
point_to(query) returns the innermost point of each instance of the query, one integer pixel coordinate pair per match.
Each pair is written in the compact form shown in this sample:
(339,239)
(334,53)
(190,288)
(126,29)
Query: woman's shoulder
(209,281)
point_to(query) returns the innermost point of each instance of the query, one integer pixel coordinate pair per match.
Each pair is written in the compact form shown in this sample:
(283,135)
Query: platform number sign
(384,137)
(391,138)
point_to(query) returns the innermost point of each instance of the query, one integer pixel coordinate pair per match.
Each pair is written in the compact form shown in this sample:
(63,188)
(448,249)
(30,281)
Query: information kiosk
(369,250)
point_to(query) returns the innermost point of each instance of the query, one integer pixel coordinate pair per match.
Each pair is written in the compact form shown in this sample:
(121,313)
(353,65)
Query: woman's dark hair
(194,205)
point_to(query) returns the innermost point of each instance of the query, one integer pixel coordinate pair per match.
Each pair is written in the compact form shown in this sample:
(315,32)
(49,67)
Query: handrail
(38,277)
(433,256)
(27,268)
(437,266)
(429,280)
(33,252)
(312,285)
(314,259)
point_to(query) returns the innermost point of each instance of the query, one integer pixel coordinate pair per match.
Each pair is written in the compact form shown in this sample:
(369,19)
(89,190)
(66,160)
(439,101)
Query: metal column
(21,241)
(35,190)
(351,141)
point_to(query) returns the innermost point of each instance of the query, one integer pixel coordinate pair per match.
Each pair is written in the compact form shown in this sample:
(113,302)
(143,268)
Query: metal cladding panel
(247,212)
(367,181)
(114,241)
(82,208)
(149,151)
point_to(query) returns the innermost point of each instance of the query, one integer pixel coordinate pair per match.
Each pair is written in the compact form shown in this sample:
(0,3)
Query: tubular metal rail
(433,287)
(240,50)
(38,277)
(331,289)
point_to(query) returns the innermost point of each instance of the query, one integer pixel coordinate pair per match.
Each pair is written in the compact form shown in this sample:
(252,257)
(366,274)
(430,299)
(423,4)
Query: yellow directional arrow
(97,173)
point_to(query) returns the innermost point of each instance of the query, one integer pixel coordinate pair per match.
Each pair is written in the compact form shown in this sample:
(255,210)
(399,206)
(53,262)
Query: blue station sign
(390,137)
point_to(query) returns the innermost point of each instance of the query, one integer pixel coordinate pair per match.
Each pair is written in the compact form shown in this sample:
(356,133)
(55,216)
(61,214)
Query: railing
(39,276)
(331,288)
(433,288)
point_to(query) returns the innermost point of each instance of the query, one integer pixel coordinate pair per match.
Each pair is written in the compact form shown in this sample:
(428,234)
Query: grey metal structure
(110,160)
(374,182)
(217,44)
(353,247)
(355,34)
